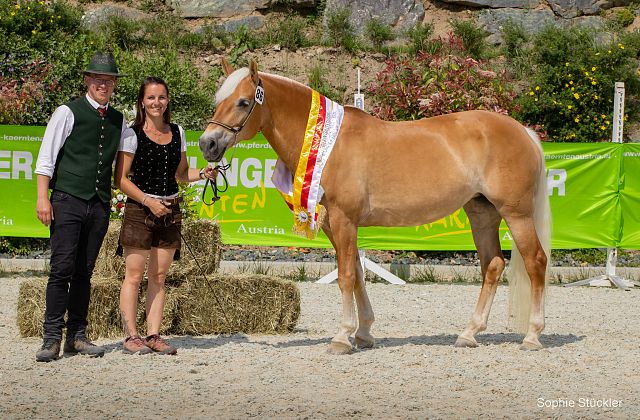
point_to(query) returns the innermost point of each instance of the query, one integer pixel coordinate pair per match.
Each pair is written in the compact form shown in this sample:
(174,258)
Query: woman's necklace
(155,134)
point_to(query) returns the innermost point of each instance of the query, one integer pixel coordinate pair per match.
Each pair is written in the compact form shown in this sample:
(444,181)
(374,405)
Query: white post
(358,98)
(610,278)
(358,102)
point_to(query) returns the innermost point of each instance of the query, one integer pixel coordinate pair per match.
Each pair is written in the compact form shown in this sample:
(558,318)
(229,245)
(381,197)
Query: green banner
(630,197)
(593,189)
(19,148)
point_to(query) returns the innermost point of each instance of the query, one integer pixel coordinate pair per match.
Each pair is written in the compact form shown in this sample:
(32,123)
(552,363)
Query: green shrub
(317,82)
(625,16)
(22,246)
(191,98)
(419,36)
(514,39)
(572,84)
(473,37)
(121,31)
(35,21)
(378,33)
(288,32)
(340,30)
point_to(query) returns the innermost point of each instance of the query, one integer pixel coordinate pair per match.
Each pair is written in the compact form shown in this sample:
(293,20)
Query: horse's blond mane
(230,84)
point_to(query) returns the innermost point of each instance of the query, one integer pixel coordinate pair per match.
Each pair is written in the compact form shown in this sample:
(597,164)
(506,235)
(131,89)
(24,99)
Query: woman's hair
(140,115)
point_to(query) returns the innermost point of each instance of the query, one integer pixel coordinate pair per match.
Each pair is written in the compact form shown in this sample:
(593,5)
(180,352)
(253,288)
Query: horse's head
(237,116)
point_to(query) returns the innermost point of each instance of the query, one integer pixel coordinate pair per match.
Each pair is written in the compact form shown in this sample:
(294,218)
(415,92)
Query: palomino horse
(407,174)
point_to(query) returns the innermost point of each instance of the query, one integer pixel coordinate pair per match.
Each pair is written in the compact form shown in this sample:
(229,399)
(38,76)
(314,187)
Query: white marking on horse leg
(481,312)
(364,339)
(340,344)
(536,324)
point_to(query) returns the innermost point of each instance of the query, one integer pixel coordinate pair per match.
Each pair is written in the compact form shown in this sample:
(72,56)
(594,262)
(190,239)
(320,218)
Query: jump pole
(366,263)
(610,278)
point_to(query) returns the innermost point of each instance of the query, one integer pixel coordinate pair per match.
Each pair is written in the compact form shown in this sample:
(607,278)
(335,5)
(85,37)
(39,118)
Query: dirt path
(591,357)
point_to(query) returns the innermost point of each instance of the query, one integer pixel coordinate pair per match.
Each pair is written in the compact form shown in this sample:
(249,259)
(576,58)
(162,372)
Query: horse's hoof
(365,342)
(339,348)
(530,346)
(465,342)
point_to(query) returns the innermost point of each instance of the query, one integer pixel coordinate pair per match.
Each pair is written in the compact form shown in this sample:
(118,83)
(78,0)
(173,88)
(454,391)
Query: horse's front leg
(343,236)
(363,337)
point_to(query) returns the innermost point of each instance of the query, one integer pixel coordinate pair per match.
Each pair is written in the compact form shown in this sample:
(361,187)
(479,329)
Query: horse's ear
(253,71)
(226,67)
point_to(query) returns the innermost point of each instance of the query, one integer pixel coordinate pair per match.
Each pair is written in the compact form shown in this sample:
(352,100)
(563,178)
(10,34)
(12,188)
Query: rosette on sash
(302,191)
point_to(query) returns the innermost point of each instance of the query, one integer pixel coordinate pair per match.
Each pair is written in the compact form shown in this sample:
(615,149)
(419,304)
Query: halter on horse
(487,163)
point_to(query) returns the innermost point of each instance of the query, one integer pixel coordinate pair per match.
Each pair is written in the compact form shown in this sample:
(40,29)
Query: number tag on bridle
(259,94)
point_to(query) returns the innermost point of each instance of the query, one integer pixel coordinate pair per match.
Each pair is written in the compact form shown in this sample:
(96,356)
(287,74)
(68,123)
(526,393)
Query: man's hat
(103,63)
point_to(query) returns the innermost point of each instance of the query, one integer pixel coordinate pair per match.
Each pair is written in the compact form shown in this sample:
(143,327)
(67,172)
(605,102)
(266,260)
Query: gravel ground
(585,371)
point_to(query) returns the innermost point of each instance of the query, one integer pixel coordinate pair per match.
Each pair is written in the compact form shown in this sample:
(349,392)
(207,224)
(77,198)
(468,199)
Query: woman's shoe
(157,344)
(134,344)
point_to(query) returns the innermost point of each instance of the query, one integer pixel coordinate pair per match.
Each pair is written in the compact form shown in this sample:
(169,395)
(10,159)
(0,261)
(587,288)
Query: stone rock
(396,13)
(101,14)
(217,8)
(251,22)
(573,8)
(497,4)
(492,20)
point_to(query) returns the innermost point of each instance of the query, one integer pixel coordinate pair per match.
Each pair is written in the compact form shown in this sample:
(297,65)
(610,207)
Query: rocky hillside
(337,67)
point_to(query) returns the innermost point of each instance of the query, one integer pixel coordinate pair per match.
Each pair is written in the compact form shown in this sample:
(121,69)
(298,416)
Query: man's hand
(44,211)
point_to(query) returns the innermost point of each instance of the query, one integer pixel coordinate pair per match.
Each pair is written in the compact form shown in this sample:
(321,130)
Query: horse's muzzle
(213,145)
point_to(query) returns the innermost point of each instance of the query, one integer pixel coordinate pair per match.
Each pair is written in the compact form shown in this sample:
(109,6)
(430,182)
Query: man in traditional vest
(75,162)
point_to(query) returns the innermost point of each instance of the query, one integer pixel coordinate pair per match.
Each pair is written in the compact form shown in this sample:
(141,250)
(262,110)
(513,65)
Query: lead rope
(214,185)
(213,292)
(222,169)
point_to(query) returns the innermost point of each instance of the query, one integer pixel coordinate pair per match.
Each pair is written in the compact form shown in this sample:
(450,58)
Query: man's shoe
(82,345)
(157,344)
(134,344)
(49,351)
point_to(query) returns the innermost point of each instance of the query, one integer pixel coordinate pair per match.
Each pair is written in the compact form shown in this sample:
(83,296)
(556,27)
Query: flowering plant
(118,200)
(440,82)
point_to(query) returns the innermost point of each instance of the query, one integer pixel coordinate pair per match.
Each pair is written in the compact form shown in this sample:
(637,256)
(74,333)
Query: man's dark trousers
(77,231)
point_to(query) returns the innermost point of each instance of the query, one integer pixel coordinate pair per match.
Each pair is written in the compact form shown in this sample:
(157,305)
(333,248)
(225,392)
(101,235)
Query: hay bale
(252,304)
(103,318)
(31,305)
(104,309)
(169,313)
(202,237)
(108,264)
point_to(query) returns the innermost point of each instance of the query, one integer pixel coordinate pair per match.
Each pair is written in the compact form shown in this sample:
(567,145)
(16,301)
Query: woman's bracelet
(201,173)
(144,199)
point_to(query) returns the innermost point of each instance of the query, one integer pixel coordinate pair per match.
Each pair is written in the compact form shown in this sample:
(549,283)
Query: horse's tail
(519,282)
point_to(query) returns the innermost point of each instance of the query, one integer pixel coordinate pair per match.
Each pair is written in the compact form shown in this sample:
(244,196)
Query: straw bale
(202,237)
(31,304)
(103,318)
(252,304)
(169,313)
(108,264)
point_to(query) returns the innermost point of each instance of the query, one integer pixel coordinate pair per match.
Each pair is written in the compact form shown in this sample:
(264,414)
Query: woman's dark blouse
(154,165)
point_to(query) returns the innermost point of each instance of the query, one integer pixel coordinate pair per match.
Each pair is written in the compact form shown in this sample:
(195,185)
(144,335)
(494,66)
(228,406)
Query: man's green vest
(83,167)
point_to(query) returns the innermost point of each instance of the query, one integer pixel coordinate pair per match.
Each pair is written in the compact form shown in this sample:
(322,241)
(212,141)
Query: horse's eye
(243,103)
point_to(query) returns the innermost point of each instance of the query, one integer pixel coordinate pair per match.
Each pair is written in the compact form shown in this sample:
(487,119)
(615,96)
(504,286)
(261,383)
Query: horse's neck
(284,126)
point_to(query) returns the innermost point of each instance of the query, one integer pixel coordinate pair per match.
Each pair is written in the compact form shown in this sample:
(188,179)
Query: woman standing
(154,155)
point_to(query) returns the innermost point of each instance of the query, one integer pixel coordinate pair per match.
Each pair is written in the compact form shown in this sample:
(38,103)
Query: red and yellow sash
(302,191)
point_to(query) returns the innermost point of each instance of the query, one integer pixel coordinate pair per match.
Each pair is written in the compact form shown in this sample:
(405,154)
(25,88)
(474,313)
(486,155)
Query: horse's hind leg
(485,221)
(535,263)
(343,236)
